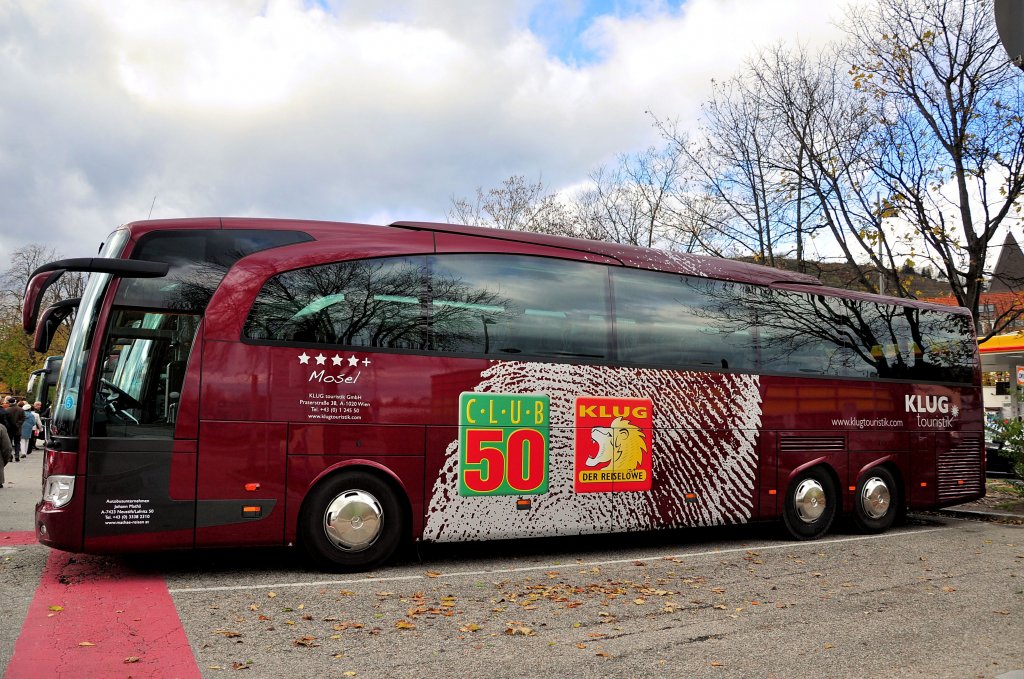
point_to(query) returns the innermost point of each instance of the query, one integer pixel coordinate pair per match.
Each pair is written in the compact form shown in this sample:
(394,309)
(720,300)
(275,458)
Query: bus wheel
(810,504)
(351,521)
(878,501)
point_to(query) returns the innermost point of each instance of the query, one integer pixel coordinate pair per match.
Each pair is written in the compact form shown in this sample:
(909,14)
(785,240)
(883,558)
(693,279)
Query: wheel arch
(375,468)
(824,462)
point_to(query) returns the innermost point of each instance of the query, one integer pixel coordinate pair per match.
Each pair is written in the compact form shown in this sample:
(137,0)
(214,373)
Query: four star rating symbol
(336,360)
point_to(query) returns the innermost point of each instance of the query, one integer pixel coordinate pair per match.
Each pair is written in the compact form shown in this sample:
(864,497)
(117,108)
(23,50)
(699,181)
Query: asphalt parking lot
(939,597)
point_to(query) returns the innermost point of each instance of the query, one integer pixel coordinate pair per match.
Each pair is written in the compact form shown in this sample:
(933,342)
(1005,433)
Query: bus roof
(629,255)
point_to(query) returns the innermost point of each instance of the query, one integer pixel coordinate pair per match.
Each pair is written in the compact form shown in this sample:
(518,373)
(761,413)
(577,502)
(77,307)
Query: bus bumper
(60,528)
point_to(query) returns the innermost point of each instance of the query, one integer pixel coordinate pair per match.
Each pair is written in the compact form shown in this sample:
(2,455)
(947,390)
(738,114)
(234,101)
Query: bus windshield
(65,412)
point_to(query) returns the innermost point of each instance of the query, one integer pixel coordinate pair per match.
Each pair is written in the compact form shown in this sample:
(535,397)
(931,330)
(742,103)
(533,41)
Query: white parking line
(545,567)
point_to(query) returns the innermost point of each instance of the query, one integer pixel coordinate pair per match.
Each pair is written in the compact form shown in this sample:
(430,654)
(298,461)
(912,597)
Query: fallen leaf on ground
(515,628)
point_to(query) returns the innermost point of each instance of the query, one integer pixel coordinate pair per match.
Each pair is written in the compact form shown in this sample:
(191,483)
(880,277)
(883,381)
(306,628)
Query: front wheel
(878,501)
(351,522)
(810,504)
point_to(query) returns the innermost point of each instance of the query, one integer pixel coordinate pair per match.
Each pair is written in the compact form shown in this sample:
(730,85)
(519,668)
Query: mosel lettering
(321,376)
(606,412)
(919,403)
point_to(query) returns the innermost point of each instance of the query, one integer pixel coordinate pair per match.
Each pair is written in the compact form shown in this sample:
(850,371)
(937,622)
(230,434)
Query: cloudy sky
(350,110)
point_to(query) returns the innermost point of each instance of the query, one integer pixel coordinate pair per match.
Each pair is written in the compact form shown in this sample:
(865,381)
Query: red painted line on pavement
(17,538)
(109,614)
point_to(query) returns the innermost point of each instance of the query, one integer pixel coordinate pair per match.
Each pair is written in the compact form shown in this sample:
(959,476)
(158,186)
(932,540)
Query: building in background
(1002,354)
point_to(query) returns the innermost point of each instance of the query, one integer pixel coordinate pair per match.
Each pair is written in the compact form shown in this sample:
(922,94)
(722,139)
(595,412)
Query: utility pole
(881,249)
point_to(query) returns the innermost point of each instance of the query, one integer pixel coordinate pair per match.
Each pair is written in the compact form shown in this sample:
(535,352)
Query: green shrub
(1011,433)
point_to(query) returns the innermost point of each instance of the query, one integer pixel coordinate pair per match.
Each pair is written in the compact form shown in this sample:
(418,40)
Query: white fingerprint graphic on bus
(706,427)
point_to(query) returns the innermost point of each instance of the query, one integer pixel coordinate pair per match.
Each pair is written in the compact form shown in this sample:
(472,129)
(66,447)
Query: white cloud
(284,108)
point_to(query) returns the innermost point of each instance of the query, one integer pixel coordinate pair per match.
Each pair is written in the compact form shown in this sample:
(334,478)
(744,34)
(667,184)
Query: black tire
(811,502)
(374,527)
(877,503)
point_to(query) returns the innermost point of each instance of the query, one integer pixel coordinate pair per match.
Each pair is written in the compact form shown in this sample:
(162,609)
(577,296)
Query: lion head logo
(620,446)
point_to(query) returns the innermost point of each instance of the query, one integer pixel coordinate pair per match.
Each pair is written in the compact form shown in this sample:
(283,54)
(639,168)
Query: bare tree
(517,205)
(744,195)
(831,169)
(17,356)
(634,197)
(949,106)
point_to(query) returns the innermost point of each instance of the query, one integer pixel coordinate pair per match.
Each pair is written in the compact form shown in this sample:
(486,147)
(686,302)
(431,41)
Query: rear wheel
(878,501)
(810,504)
(352,521)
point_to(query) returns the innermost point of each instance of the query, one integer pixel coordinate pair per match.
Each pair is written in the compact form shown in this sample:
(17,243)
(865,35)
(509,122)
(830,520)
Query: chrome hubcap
(809,500)
(353,520)
(874,498)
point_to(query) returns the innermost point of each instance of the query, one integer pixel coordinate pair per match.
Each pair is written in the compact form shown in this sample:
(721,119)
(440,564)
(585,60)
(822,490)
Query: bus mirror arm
(47,274)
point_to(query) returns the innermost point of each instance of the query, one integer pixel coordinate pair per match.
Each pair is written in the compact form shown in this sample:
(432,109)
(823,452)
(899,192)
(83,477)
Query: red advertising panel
(613,444)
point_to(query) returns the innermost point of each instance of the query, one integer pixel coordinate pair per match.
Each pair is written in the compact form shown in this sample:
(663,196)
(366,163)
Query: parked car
(996,463)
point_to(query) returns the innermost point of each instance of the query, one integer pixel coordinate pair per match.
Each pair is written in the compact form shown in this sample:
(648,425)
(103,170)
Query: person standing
(15,418)
(38,430)
(6,452)
(28,428)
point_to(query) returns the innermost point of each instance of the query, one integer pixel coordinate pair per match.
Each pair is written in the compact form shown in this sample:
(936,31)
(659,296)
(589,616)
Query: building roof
(1008,273)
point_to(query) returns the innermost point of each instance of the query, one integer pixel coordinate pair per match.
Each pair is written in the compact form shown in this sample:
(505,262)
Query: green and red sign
(503,444)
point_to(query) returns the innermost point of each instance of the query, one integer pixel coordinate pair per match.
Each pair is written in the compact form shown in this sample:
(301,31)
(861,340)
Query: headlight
(59,489)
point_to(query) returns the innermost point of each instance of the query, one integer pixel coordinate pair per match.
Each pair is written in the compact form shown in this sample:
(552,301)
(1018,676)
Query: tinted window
(199,260)
(677,320)
(807,334)
(947,346)
(801,333)
(487,304)
(512,305)
(367,303)
(508,304)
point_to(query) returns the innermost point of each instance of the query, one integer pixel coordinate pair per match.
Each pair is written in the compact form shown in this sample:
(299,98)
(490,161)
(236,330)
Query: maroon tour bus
(349,387)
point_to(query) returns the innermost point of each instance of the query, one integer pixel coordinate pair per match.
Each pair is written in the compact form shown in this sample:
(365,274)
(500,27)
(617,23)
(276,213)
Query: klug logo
(939,406)
(919,403)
